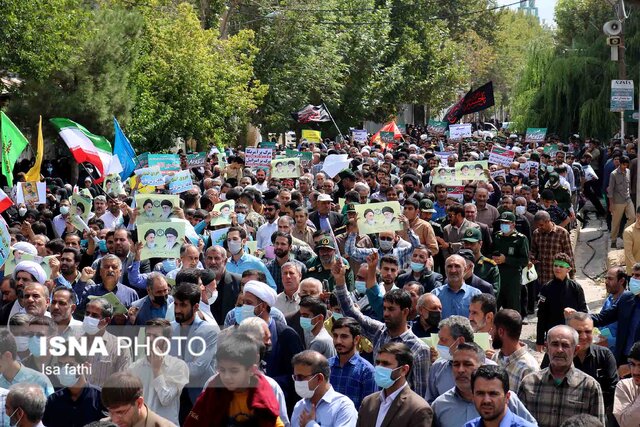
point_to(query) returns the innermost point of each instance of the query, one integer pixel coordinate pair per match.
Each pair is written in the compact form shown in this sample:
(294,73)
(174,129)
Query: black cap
(467,254)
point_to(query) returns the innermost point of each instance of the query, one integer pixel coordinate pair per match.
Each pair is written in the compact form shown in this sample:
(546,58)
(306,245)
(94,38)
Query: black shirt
(600,364)
(62,411)
(554,297)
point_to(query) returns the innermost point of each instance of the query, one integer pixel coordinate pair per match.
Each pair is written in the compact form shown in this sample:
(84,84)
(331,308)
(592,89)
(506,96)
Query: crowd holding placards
(377,284)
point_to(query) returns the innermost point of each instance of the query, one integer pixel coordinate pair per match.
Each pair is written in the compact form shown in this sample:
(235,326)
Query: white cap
(262,291)
(324,198)
(25,247)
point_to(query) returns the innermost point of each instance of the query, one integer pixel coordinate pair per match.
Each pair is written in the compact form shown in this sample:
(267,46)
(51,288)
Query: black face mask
(161,300)
(433,319)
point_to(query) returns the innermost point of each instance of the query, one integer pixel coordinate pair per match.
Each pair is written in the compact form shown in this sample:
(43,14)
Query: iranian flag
(5,201)
(85,146)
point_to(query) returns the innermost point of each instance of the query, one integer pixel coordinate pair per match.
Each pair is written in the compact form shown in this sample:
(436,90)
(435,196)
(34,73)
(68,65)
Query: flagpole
(334,122)
(93,181)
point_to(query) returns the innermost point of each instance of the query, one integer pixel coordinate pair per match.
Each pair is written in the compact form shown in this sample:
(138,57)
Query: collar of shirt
(294,298)
(463,288)
(515,355)
(328,397)
(392,396)
(570,377)
(351,361)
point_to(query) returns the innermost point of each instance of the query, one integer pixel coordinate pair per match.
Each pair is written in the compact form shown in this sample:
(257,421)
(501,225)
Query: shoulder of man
(483,259)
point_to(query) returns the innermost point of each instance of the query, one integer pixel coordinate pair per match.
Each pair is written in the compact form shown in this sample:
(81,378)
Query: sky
(545,9)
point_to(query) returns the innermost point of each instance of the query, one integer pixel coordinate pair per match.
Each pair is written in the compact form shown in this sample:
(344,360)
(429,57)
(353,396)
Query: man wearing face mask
(320,403)
(420,270)
(13,372)
(41,329)
(78,402)
(396,404)
(511,254)
(97,317)
(313,313)
(60,221)
(155,304)
(241,261)
(24,406)
(429,315)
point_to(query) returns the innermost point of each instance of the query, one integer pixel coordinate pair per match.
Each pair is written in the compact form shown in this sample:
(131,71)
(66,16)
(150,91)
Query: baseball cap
(472,235)
(467,254)
(507,217)
(351,207)
(324,198)
(426,205)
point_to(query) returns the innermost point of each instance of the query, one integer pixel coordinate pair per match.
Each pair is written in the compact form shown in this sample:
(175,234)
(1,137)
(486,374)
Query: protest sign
(445,176)
(118,307)
(377,217)
(134,183)
(435,127)
(622,95)
(15,256)
(387,137)
(80,211)
(258,157)
(251,247)
(535,135)
(359,135)
(196,160)
(460,131)
(180,182)
(31,193)
(551,149)
(113,184)
(5,242)
(335,163)
(161,239)
(218,236)
(456,192)
(443,156)
(473,170)
(225,208)
(499,172)
(167,163)
(155,207)
(142,161)
(150,176)
(312,135)
(501,156)
(285,168)
(304,156)
(532,166)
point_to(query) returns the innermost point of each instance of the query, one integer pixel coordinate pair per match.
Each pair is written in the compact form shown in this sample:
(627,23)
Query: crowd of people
(298,318)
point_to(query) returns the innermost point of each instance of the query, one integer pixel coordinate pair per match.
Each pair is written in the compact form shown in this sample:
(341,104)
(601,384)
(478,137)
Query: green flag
(13,144)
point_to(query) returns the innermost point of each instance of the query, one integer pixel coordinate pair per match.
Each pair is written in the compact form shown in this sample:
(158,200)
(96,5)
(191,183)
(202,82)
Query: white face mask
(64,209)
(22,343)
(520,210)
(386,245)
(22,211)
(234,246)
(90,325)
(302,389)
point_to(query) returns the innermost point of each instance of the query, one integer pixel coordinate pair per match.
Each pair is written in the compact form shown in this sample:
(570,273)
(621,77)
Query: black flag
(474,101)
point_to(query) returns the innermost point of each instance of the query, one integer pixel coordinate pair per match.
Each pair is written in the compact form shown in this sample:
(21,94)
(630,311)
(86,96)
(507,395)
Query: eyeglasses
(303,377)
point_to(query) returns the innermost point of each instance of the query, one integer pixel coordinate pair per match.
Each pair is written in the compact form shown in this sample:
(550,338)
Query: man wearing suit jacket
(396,405)
(155,304)
(199,358)
(324,217)
(227,284)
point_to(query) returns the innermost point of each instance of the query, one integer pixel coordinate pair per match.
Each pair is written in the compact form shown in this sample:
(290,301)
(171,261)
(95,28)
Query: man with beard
(265,231)
(490,387)
(282,249)
(429,316)
(227,284)
(455,407)
(155,304)
(113,217)
(324,218)
(512,354)
(351,374)
(625,404)
(482,311)
(202,337)
(421,270)
(397,305)
(100,205)
(261,177)
(455,295)
(63,305)
(320,266)
(561,391)
(68,275)
(25,272)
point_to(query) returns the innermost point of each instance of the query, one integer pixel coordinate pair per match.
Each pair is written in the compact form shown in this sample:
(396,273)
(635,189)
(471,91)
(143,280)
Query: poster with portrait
(113,184)
(225,208)
(5,242)
(155,207)
(15,256)
(285,168)
(80,211)
(31,193)
(471,171)
(445,176)
(377,217)
(161,239)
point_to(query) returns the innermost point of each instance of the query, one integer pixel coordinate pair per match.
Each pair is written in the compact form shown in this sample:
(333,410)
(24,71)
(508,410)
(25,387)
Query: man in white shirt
(163,377)
(60,221)
(287,301)
(270,213)
(396,404)
(113,216)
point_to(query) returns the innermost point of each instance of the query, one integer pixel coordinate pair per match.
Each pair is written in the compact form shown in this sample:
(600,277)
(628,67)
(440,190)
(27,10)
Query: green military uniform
(485,268)
(426,205)
(515,248)
(561,194)
(316,270)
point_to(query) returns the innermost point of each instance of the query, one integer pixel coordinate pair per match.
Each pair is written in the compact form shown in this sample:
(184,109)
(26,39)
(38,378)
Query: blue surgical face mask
(444,352)
(417,266)
(102,246)
(241,218)
(386,245)
(169,264)
(34,346)
(361,286)
(505,228)
(382,377)
(306,324)
(84,243)
(336,315)
(246,312)
(634,286)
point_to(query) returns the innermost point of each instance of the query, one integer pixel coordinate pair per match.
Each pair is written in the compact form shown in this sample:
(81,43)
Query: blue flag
(123,149)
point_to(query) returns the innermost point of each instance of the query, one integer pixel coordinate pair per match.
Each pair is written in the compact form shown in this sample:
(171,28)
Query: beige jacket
(626,405)
(631,237)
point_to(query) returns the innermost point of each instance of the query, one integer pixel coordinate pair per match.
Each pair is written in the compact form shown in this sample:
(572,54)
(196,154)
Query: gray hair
(458,327)
(151,278)
(579,316)
(254,327)
(636,266)
(565,328)
(471,205)
(422,300)
(317,283)
(218,249)
(541,216)
(111,257)
(294,265)
(287,218)
(361,185)
(30,398)
(106,309)
(43,237)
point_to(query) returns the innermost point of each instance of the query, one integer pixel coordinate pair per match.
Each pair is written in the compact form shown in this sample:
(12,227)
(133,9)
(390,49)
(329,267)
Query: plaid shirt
(354,380)
(377,333)
(545,246)
(551,404)
(402,253)
(276,270)
(520,364)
